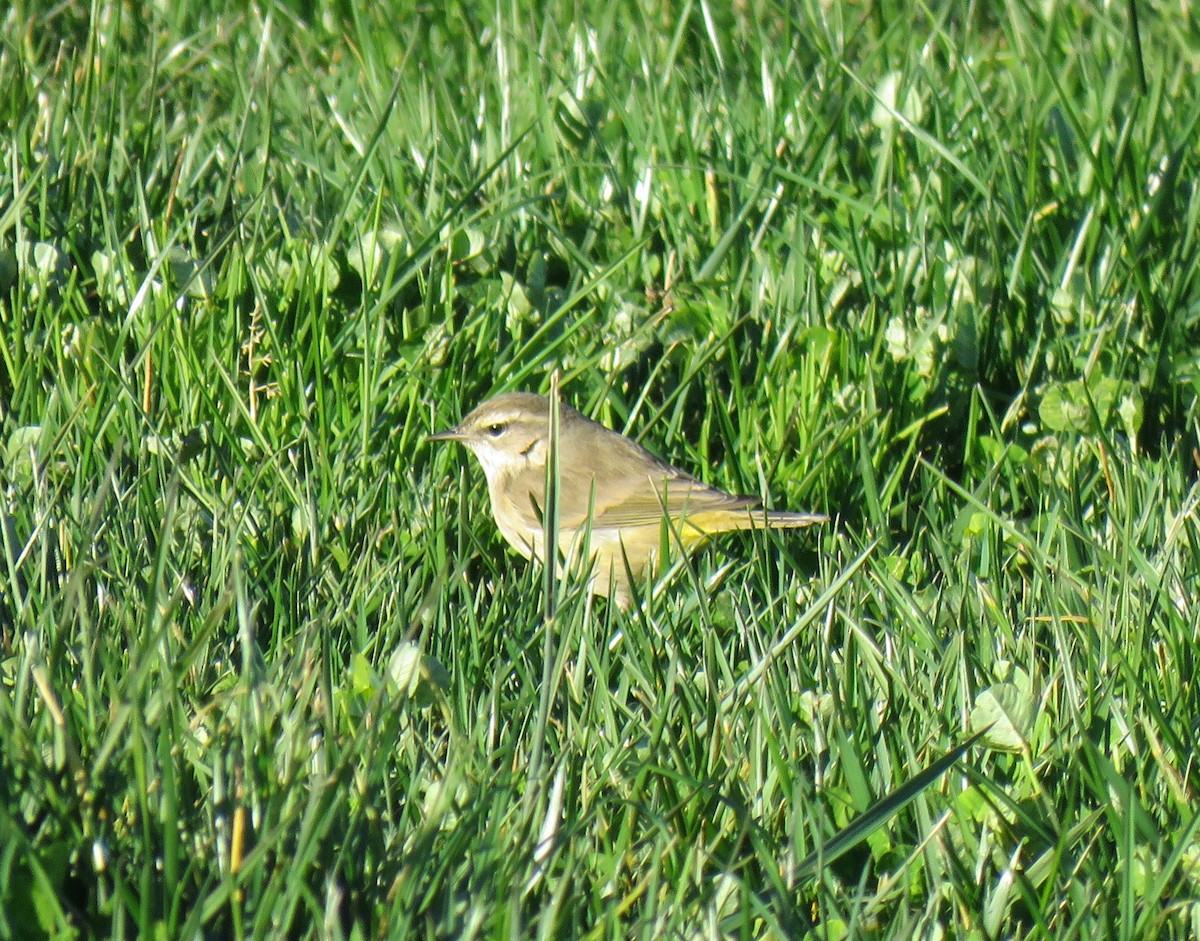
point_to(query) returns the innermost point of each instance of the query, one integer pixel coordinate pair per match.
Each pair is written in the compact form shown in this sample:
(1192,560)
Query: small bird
(613,494)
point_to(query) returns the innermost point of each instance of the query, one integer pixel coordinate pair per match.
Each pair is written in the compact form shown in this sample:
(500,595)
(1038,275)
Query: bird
(613,496)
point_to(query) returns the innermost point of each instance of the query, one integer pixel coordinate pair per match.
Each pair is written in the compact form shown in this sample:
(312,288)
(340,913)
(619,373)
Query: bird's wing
(617,483)
(677,496)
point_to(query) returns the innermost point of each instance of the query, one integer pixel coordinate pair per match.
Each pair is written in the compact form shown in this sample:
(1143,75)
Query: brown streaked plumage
(623,488)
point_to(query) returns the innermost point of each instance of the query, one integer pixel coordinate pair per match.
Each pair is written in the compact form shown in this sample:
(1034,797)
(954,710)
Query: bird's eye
(495,429)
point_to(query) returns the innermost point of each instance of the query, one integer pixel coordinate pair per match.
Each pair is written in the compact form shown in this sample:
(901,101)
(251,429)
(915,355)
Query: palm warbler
(614,496)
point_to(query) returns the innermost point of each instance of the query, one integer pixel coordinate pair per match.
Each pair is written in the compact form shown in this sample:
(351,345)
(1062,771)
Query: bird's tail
(781,519)
(708,523)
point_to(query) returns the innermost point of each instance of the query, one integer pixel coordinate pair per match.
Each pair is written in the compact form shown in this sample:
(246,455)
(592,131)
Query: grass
(267,669)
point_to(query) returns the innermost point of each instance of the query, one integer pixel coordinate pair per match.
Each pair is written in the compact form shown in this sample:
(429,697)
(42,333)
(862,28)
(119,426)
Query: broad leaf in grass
(1003,714)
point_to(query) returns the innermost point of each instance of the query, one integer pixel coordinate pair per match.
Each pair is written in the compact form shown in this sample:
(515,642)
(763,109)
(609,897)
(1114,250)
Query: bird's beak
(450,434)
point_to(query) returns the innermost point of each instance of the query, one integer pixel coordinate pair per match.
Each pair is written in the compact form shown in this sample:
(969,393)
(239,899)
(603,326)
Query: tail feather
(786,520)
(709,523)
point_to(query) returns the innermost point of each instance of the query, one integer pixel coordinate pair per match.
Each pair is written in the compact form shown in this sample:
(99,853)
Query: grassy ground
(266,668)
